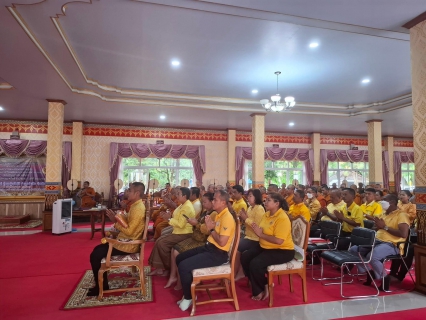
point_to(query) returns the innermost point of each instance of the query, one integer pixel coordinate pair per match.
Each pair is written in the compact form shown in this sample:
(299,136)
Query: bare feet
(156,272)
(258,297)
(178,286)
(170,282)
(165,273)
(266,293)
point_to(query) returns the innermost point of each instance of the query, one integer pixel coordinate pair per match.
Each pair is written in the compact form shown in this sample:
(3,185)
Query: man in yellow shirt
(239,202)
(299,208)
(214,253)
(371,208)
(393,227)
(160,257)
(136,224)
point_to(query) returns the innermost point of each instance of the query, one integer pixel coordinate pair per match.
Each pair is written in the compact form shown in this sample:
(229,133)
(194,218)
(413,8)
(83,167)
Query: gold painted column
(258,149)
(316,147)
(375,173)
(55,124)
(77,150)
(231,156)
(418,83)
(389,148)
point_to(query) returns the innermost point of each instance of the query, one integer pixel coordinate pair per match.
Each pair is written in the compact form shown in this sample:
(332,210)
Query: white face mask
(385,204)
(309,195)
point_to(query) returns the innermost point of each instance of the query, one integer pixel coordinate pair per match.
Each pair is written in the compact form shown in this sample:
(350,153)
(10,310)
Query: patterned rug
(29,224)
(79,299)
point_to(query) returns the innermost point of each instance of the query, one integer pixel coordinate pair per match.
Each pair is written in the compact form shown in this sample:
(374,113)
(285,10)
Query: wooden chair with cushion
(223,272)
(300,232)
(133,260)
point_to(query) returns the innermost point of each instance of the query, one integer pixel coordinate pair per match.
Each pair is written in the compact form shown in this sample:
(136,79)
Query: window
(278,172)
(352,172)
(407,176)
(164,170)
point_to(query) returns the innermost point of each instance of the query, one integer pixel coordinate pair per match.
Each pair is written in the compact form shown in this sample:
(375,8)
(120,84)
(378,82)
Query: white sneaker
(183,297)
(185,304)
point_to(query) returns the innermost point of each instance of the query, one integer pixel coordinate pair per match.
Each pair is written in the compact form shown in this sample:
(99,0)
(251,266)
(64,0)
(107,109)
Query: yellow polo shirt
(237,205)
(392,220)
(410,209)
(373,209)
(356,215)
(178,222)
(254,214)
(331,207)
(225,226)
(314,206)
(279,226)
(300,210)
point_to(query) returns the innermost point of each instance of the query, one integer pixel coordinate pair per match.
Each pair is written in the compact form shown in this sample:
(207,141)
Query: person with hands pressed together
(135,220)
(392,228)
(214,252)
(160,255)
(312,202)
(275,245)
(239,202)
(254,214)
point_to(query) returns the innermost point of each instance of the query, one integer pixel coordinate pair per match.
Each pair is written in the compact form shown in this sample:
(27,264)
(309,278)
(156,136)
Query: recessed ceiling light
(313,44)
(162,117)
(254,91)
(1,108)
(291,124)
(175,63)
(365,81)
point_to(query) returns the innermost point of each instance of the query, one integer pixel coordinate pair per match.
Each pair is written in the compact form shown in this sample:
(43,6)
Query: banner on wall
(23,176)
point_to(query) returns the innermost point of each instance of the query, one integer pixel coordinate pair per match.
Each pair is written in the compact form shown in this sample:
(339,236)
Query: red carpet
(413,314)
(38,273)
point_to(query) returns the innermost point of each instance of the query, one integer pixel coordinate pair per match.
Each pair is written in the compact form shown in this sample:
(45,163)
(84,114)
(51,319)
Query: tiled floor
(328,310)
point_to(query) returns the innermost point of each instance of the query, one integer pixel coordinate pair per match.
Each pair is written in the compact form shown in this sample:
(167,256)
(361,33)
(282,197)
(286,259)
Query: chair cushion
(210,271)
(293,264)
(339,257)
(128,257)
(323,246)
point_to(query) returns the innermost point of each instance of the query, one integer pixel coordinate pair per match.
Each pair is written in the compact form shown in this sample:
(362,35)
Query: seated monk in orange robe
(87,195)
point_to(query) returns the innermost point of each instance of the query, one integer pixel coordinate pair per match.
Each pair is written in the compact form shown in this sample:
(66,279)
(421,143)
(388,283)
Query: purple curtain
(16,148)
(66,166)
(124,150)
(398,158)
(385,169)
(339,155)
(275,154)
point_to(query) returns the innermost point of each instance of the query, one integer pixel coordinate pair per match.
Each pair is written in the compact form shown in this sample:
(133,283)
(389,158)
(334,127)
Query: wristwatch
(386,228)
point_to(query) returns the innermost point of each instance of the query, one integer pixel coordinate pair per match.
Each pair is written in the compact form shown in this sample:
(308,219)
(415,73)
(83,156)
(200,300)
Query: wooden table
(47,219)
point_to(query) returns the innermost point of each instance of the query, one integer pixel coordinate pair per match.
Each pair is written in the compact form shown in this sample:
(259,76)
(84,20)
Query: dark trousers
(202,257)
(398,268)
(98,253)
(256,260)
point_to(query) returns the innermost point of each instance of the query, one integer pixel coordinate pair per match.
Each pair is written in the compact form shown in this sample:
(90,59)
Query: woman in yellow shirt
(275,245)
(406,206)
(254,214)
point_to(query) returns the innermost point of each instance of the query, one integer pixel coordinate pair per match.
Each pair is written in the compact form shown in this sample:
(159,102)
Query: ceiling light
(1,108)
(175,63)
(162,117)
(365,81)
(254,91)
(313,44)
(276,105)
(291,124)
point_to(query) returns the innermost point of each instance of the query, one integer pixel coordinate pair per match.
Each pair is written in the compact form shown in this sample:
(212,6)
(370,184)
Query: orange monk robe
(290,200)
(160,223)
(322,201)
(87,201)
(358,199)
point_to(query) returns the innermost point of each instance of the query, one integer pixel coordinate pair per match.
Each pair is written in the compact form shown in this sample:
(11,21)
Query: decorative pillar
(316,147)
(375,173)
(77,150)
(418,84)
(258,149)
(55,124)
(389,148)
(231,156)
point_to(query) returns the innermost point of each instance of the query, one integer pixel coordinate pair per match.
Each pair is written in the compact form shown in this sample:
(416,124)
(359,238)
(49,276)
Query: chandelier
(276,105)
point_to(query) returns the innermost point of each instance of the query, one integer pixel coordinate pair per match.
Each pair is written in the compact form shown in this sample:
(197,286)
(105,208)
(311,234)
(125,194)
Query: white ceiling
(122,52)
